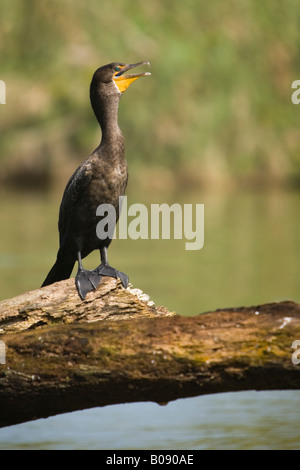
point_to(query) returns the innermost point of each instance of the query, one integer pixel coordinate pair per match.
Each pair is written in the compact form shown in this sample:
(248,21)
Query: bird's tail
(61,270)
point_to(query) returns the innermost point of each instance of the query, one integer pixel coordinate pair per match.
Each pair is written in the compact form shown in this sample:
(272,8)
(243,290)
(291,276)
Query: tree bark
(64,354)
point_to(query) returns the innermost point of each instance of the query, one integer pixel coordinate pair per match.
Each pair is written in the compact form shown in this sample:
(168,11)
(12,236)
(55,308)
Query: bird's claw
(86,281)
(107,270)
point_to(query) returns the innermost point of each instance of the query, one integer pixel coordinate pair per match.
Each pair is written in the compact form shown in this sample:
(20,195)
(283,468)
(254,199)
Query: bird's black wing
(76,185)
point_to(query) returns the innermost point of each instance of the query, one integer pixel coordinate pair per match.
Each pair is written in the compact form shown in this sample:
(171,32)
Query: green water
(250,255)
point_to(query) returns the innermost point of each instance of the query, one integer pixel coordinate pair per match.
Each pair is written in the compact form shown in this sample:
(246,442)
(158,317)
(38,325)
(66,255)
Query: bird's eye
(117,68)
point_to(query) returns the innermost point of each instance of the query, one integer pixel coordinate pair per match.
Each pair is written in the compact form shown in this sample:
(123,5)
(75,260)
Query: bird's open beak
(123,81)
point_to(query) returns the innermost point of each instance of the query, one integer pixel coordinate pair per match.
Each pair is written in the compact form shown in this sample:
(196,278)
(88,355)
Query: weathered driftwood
(63,354)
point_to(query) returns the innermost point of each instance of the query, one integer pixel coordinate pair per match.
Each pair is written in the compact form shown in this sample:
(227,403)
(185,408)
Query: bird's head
(112,78)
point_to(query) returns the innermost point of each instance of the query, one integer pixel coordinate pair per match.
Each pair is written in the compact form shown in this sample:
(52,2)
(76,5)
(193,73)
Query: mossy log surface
(63,354)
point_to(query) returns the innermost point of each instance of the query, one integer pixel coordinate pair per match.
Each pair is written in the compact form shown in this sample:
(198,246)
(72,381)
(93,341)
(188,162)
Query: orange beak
(123,81)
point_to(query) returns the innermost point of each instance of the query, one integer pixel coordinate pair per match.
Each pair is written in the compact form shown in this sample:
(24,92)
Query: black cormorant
(100,179)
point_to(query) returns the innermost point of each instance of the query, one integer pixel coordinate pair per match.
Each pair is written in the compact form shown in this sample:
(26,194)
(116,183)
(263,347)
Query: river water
(250,256)
(243,420)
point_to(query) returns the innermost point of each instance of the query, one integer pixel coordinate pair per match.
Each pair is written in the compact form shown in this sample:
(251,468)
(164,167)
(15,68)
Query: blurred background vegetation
(217,110)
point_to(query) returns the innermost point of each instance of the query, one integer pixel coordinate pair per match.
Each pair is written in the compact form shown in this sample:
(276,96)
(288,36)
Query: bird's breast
(109,182)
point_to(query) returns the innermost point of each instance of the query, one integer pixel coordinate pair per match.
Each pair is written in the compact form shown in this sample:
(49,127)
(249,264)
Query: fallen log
(62,354)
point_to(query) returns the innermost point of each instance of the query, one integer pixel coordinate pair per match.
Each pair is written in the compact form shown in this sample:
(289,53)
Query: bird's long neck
(106,111)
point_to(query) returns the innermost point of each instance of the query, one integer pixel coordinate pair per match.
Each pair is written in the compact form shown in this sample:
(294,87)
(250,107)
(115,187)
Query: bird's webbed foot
(85,280)
(107,270)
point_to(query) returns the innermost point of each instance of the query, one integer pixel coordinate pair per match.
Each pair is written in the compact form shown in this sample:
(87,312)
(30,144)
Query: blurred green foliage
(217,109)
